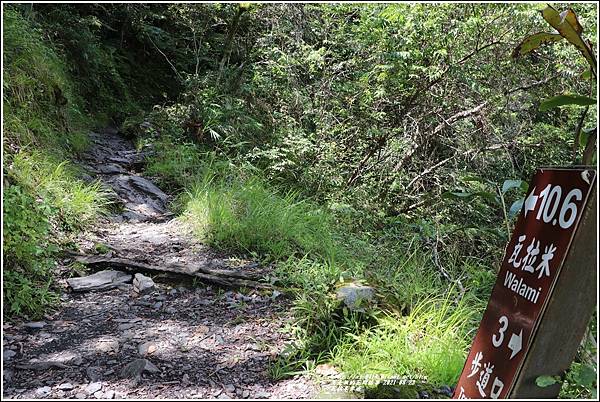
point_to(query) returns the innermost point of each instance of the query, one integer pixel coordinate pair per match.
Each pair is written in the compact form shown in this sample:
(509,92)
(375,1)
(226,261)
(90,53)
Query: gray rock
(230,388)
(107,345)
(76,361)
(98,394)
(56,360)
(142,283)
(109,168)
(151,368)
(146,348)
(67,386)
(93,373)
(141,196)
(35,325)
(102,280)
(80,395)
(43,391)
(109,394)
(93,387)
(356,297)
(137,367)
(8,354)
(445,390)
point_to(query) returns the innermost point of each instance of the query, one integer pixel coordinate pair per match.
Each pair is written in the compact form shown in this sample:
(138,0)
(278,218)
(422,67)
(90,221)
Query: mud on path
(179,339)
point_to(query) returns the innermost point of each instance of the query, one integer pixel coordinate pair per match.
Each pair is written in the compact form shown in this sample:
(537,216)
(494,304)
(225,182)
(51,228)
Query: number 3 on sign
(498,339)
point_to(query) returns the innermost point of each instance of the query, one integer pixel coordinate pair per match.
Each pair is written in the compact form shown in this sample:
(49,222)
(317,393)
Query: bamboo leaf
(570,16)
(532,42)
(564,27)
(562,100)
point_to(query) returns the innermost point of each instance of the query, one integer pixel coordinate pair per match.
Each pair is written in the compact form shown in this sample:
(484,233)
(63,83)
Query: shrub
(27,253)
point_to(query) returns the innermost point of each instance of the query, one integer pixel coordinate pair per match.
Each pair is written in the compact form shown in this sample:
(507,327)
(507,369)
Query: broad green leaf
(534,41)
(587,376)
(562,100)
(564,27)
(515,208)
(545,381)
(570,16)
(509,184)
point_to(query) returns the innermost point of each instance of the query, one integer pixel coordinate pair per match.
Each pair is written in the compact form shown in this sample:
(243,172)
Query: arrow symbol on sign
(530,202)
(515,344)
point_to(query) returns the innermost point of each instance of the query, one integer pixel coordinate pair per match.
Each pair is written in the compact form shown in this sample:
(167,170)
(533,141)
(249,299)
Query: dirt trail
(199,340)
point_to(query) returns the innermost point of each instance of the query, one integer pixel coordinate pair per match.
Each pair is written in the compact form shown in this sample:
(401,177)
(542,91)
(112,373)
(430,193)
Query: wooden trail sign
(502,362)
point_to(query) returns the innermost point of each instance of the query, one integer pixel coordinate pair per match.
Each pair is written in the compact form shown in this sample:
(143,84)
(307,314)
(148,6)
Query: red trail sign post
(548,222)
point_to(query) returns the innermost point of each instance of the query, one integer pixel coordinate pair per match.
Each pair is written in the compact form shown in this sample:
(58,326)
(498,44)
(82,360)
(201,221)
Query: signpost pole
(564,322)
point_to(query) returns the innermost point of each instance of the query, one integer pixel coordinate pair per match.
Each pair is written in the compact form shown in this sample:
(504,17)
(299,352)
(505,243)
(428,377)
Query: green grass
(176,165)
(243,214)
(75,203)
(41,106)
(431,343)
(27,253)
(26,295)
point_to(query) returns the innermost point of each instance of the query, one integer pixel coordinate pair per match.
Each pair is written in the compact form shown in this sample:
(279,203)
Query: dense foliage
(341,142)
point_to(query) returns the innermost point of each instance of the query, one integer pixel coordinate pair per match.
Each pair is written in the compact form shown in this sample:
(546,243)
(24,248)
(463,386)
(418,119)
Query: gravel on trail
(177,339)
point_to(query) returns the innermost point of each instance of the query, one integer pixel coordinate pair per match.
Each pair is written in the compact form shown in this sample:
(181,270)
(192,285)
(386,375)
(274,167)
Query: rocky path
(182,337)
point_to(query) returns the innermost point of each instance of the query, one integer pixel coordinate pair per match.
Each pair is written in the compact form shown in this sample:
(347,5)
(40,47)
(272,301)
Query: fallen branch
(218,276)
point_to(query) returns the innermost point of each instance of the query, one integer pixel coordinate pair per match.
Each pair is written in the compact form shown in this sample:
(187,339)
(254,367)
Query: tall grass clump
(243,214)
(430,342)
(73,203)
(177,165)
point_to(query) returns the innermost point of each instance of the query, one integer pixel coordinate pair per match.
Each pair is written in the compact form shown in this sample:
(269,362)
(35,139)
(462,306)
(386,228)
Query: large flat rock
(102,280)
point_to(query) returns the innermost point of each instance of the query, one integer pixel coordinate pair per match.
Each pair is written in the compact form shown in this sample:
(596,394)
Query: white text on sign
(549,206)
